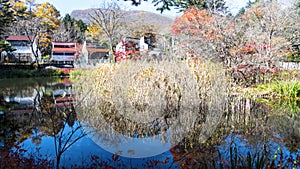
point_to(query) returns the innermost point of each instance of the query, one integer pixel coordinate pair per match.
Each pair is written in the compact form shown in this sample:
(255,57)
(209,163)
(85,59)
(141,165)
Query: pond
(42,124)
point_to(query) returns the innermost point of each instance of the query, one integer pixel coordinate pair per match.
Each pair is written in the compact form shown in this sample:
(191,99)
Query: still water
(41,123)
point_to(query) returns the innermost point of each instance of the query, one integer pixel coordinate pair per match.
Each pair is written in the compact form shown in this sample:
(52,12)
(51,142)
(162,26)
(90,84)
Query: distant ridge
(159,20)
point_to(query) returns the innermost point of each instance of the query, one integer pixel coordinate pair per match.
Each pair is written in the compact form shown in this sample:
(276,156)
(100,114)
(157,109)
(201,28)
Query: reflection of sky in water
(82,151)
(129,146)
(243,147)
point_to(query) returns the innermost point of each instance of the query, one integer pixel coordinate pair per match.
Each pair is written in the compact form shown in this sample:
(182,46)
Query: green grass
(281,89)
(283,96)
(75,74)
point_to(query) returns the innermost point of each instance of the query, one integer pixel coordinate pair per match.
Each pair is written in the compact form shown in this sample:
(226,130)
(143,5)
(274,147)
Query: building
(93,53)
(132,44)
(23,52)
(63,52)
(132,48)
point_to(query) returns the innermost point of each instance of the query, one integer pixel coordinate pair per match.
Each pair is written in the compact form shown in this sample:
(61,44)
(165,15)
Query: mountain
(162,21)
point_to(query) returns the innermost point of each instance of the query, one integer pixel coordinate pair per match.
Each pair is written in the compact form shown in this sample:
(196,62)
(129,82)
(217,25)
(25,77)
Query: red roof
(63,50)
(97,50)
(64,43)
(18,38)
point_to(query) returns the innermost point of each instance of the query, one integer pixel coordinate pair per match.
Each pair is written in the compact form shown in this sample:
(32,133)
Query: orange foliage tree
(253,41)
(204,34)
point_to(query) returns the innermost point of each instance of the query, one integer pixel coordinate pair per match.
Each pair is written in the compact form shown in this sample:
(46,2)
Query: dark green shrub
(18,73)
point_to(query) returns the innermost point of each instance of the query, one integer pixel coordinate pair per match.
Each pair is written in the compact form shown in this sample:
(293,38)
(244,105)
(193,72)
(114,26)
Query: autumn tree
(49,18)
(38,25)
(272,28)
(95,35)
(21,13)
(108,19)
(44,18)
(257,39)
(20,9)
(204,34)
(6,17)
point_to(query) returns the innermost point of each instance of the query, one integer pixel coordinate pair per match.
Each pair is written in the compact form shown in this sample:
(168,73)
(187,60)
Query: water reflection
(38,109)
(147,110)
(45,131)
(50,133)
(251,135)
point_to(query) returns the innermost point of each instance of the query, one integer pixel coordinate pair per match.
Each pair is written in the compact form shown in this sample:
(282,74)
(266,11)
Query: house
(25,102)
(132,48)
(63,52)
(93,53)
(23,52)
(133,44)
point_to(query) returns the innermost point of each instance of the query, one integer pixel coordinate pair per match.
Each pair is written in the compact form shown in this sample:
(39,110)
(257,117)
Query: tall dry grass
(143,99)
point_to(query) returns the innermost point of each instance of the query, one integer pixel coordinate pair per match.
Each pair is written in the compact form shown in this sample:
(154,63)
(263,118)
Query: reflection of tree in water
(43,119)
(60,117)
(249,129)
(267,129)
(288,128)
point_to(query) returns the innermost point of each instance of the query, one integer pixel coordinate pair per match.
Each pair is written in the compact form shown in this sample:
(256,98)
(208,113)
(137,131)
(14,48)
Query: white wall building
(23,50)
(132,44)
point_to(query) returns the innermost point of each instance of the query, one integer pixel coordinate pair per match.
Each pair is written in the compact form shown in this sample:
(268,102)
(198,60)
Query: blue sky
(67,6)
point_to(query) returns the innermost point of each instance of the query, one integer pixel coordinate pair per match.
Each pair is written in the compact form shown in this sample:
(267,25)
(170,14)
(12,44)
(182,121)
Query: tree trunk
(58,160)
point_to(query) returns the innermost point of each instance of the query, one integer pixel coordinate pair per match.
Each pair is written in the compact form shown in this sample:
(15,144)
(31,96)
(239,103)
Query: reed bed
(143,99)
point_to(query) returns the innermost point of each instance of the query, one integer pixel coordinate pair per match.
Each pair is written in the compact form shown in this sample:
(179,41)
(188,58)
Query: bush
(293,57)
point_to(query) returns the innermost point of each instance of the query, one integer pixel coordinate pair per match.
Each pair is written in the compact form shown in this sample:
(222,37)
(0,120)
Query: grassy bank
(19,73)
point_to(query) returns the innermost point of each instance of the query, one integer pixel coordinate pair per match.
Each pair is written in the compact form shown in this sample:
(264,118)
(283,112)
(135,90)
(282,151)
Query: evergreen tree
(68,19)
(5,46)
(81,25)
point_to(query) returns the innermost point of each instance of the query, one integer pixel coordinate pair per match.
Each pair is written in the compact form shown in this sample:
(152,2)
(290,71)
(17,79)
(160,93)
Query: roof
(64,43)
(97,50)
(63,50)
(18,38)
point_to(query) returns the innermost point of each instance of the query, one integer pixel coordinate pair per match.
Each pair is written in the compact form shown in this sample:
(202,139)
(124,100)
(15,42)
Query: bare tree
(33,30)
(109,19)
(272,28)
(68,32)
